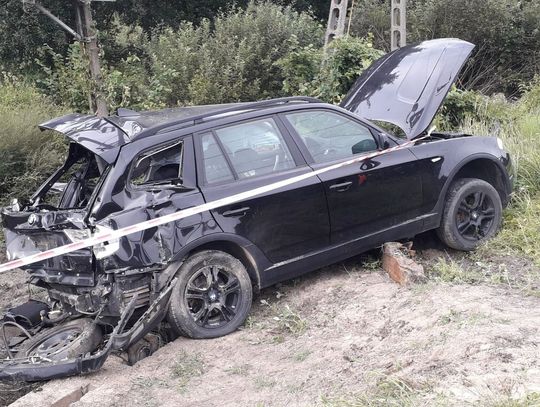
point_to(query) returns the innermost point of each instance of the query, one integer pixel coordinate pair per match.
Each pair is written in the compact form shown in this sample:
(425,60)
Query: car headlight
(108,248)
(76,235)
(100,250)
(500,143)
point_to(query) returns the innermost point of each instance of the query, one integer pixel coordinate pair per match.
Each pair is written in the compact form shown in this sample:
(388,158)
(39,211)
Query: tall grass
(27,154)
(518,125)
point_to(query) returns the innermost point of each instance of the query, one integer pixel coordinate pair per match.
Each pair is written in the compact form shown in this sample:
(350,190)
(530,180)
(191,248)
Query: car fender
(248,253)
(452,174)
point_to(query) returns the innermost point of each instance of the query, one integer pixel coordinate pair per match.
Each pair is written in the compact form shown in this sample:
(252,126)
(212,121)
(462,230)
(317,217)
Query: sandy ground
(342,334)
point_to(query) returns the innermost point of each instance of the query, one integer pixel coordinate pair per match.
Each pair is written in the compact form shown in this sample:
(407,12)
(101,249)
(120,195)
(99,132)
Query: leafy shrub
(231,59)
(66,80)
(330,75)
(458,105)
(531,97)
(505,32)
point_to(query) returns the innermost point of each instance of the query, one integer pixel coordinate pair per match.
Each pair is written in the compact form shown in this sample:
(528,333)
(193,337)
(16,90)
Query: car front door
(366,197)
(284,223)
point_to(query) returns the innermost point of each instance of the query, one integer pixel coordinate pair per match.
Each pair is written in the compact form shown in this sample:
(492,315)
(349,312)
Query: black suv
(198,273)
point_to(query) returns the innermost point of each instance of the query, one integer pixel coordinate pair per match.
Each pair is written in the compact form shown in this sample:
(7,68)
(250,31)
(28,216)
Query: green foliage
(24,32)
(458,105)
(531,98)
(329,76)
(505,32)
(231,59)
(518,125)
(28,155)
(66,79)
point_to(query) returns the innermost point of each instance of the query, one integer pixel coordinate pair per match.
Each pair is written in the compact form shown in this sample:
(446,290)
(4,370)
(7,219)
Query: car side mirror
(384,141)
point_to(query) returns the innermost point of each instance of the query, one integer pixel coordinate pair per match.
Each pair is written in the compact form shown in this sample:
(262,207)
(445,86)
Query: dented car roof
(105,136)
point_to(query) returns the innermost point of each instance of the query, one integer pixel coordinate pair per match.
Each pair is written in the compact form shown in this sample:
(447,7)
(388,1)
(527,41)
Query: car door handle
(341,187)
(237,212)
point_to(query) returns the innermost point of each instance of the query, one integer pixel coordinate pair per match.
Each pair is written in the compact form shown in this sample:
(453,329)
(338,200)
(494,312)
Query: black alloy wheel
(212,296)
(475,216)
(472,214)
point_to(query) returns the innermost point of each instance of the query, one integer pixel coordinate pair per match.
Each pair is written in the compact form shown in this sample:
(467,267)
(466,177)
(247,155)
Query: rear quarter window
(160,165)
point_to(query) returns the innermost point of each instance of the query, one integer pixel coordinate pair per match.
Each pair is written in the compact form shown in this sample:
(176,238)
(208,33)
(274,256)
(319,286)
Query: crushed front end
(88,312)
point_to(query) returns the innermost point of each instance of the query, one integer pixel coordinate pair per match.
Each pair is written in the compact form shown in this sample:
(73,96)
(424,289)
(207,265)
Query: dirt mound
(341,335)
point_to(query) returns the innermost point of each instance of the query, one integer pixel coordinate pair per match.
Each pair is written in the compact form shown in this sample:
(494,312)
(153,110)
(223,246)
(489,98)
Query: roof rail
(255,105)
(245,106)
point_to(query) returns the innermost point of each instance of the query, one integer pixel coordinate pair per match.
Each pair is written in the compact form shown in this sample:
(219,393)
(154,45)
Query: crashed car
(195,276)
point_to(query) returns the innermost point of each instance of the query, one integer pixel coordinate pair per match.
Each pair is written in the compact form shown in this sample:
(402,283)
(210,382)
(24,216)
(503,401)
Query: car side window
(216,168)
(255,148)
(162,165)
(330,136)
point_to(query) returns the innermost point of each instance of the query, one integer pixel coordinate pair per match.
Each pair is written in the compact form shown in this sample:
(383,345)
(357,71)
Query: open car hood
(95,134)
(407,86)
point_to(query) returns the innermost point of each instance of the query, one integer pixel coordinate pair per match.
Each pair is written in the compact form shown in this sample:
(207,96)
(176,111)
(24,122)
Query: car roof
(133,122)
(105,136)
(138,124)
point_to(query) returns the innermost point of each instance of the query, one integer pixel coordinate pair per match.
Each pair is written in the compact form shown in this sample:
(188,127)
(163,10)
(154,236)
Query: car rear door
(363,198)
(284,223)
(157,181)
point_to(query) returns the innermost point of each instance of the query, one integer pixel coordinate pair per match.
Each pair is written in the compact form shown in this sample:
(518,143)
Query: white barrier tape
(184,213)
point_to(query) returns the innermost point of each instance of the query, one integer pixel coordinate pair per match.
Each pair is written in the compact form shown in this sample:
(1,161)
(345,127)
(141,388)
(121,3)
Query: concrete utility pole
(398,30)
(86,34)
(336,20)
(99,105)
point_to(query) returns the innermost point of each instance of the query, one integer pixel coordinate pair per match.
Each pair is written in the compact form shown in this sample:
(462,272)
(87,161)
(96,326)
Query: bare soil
(345,335)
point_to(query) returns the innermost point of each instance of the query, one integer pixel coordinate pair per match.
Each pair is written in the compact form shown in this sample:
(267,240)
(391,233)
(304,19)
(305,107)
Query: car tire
(472,214)
(64,341)
(212,296)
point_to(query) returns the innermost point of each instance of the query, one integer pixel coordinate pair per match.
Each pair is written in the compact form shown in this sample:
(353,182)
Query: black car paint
(391,184)
(394,175)
(416,78)
(278,235)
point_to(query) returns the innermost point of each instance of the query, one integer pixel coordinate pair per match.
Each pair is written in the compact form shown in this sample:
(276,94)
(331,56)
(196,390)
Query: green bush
(328,76)
(505,32)
(67,80)
(458,105)
(233,58)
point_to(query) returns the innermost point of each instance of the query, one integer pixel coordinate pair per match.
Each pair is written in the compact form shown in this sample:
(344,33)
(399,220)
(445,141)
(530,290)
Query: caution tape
(184,213)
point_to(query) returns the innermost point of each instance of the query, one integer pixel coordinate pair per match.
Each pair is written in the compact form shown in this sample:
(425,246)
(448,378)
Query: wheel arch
(482,166)
(250,255)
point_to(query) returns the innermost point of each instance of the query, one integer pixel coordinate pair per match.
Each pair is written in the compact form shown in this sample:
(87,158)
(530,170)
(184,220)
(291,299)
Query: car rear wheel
(472,214)
(212,296)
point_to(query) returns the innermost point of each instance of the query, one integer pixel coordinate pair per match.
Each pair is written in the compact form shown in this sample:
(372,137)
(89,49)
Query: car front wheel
(472,214)
(212,296)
